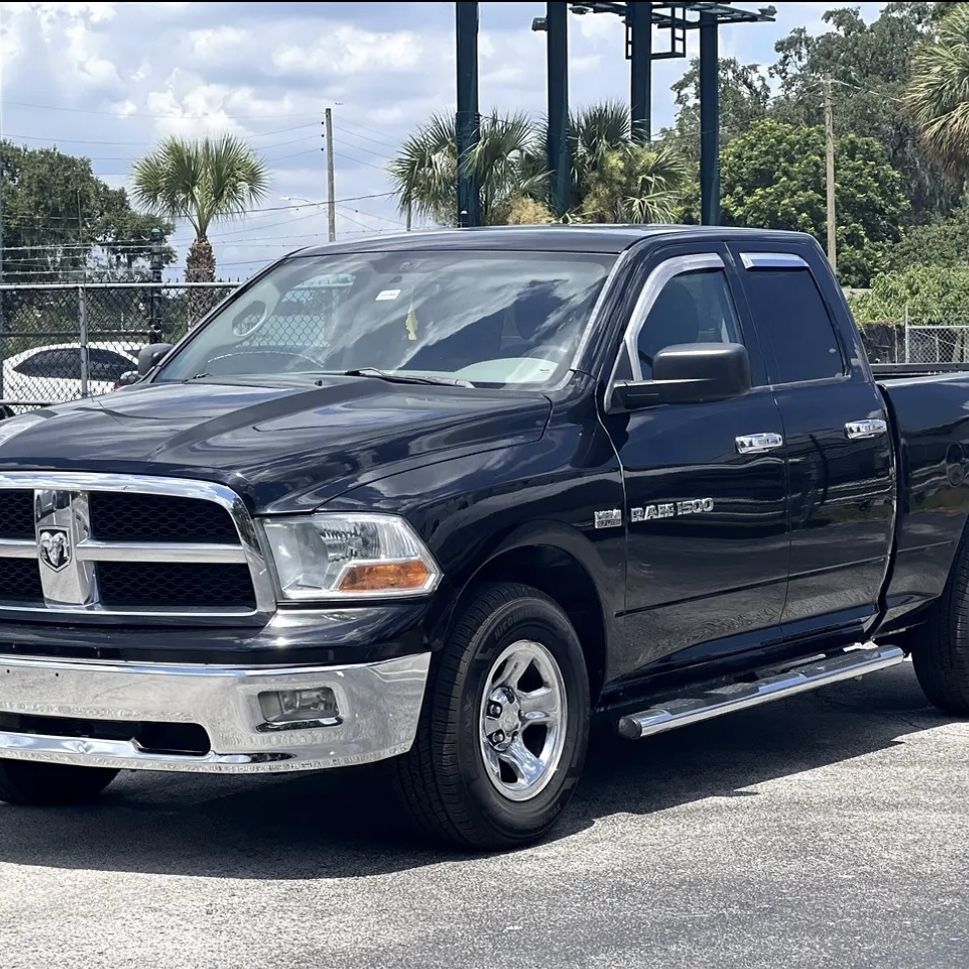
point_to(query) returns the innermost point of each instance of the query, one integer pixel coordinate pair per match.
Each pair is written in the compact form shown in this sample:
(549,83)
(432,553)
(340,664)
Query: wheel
(940,649)
(502,738)
(28,783)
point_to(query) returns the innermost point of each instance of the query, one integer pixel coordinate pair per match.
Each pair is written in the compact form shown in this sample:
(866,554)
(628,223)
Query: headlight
(337,556)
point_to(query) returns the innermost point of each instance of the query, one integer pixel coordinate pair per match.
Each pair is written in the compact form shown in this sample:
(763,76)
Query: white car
(52,374)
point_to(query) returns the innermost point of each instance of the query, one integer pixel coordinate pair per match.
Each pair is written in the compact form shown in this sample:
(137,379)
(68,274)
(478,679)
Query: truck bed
(929,407)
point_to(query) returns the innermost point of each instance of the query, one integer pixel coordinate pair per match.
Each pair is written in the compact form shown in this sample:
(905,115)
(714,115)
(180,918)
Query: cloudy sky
(106,80)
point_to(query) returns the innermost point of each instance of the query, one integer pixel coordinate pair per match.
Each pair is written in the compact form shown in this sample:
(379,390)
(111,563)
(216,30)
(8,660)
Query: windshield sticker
(411,324)
(387,294)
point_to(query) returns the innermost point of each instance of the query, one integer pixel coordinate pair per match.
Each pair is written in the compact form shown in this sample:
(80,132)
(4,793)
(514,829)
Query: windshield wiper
(404,378)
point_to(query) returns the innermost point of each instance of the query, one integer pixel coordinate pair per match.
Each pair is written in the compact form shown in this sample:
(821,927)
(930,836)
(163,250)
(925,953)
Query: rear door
(705,482)
(837,447)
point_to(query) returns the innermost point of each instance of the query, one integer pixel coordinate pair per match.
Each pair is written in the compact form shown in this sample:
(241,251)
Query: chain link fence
(64,341)
(935,344)
(916,343)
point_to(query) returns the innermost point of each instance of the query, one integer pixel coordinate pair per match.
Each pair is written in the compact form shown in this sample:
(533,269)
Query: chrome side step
(738,696)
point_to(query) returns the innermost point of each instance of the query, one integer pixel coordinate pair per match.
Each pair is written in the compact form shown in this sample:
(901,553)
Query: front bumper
(378,708)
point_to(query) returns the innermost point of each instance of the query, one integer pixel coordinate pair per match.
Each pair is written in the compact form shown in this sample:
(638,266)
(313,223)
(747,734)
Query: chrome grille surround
(69,574)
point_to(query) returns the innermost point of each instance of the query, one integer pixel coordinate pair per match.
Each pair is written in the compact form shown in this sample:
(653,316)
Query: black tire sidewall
(543,622)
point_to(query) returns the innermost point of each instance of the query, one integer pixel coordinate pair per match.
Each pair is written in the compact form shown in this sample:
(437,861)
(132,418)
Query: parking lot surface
(831,829)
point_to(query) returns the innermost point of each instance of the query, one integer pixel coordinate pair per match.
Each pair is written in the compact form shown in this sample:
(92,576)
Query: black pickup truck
(442,499)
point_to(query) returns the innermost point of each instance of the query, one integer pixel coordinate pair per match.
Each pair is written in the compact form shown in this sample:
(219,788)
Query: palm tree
(630,182)
(938,93)
(634,184)
(203,181)
(595,132)
(506,163)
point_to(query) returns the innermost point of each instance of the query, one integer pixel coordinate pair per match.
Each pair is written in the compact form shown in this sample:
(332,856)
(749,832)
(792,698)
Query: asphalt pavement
(828,830)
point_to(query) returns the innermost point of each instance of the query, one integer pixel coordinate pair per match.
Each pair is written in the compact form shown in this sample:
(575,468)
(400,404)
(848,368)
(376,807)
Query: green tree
(59,219)
(203,181)
(613,178)
(506,163)
(870,64)
(938,94)
(634,184)
(942,242)
(744,100)
(774,177)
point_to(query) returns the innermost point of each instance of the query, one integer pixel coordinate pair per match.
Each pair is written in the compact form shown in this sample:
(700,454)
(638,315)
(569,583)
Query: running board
(739,696)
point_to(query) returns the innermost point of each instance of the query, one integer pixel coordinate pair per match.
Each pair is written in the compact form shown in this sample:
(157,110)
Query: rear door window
(794,323)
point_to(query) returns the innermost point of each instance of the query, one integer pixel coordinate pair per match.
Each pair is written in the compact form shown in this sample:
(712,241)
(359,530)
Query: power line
(362,161)
(142,144)
(369,151)
(359,134)
(173,116)
(273,208)
(371,215)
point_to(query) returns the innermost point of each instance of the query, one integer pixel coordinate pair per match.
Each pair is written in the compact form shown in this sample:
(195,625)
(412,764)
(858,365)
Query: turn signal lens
(409,576)
(344,556)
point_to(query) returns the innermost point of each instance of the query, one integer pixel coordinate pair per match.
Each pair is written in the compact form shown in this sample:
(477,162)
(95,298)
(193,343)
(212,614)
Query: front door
(705,482)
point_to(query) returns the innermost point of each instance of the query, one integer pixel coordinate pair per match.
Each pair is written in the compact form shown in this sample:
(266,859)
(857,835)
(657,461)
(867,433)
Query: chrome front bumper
(378,708)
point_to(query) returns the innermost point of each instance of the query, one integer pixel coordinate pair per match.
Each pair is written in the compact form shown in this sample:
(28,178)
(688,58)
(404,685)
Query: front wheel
(503,735)
(27,783)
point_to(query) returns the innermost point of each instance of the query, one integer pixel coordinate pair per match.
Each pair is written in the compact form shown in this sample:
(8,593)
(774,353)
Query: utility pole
(330,191)
(829,174)
(154,304)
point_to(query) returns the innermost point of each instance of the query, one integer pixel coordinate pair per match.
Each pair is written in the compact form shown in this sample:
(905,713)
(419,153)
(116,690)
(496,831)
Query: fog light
(293,709)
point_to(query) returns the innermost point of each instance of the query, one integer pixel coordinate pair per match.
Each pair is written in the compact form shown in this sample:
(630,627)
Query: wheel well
(562,578)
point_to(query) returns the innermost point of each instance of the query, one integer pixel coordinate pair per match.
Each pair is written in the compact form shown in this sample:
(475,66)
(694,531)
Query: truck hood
(281,446)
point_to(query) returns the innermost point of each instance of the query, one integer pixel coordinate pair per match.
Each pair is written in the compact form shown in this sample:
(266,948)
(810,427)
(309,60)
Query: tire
(940,648)
(445,783)
(27,783)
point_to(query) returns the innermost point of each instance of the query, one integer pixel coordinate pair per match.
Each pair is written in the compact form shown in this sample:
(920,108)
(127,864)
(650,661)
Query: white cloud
(110,79)
(349,50)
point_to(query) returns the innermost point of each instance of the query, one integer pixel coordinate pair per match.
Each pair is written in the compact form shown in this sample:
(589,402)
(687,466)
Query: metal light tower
(645,23)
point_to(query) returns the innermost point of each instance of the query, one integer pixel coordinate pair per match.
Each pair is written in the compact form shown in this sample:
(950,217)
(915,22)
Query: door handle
(759,443)
(859,430)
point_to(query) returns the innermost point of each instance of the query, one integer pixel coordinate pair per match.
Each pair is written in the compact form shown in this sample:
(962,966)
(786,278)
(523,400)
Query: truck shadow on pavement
(344,824)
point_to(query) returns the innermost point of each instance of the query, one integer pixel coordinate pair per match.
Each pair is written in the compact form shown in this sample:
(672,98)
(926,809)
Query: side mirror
(150,356)
(128,378)
(689,373)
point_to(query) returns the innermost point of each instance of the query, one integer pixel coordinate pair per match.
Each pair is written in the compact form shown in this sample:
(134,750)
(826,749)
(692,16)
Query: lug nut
(494,709)
(498,737)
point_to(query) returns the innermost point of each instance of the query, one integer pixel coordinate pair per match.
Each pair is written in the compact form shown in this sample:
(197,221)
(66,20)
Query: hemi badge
(609,519)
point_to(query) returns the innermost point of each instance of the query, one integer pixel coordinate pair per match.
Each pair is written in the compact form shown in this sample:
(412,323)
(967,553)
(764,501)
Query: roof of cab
(562,238)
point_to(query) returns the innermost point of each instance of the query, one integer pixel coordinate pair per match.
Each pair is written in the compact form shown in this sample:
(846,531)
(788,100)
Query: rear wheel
(503,734)
(940,649)
(28,783)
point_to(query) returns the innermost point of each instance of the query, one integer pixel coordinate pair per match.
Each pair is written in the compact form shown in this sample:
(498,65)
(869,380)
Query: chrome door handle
(859,430)
(758,443)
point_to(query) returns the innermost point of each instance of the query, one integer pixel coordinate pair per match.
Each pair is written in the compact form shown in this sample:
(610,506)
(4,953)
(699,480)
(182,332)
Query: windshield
(485,318)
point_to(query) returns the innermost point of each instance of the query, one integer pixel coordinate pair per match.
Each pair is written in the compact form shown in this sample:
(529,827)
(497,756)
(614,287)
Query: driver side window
(693,307)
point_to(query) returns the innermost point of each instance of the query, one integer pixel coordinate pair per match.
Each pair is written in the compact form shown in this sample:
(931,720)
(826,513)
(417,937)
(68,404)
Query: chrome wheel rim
(523,719)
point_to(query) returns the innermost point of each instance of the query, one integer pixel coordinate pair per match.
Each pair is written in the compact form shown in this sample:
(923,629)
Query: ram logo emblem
(55,548)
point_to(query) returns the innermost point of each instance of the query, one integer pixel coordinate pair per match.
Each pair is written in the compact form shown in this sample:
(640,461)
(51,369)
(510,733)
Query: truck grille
(17,514)
(169,585)
(20,581)
(132,517)
(90,543)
